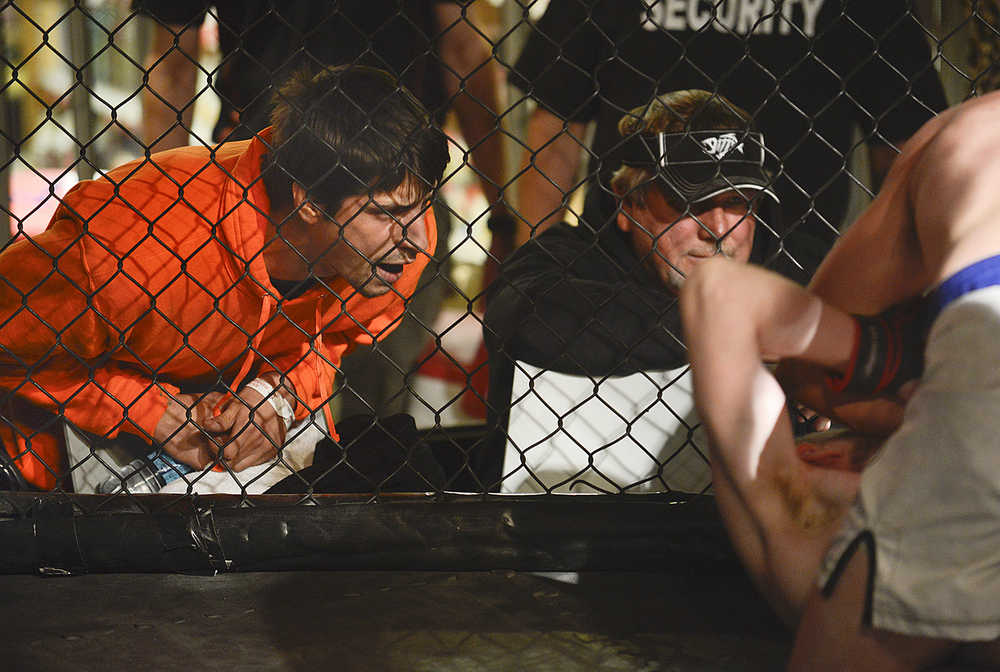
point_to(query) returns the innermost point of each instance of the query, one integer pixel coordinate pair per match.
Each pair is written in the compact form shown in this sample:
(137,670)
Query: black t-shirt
(806,74)
(263,41)
(581,302)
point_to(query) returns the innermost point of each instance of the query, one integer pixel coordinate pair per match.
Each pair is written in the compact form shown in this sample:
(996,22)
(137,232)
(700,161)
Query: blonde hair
(673,112)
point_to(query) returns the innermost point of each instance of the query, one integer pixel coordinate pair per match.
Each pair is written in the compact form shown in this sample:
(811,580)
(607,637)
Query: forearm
(471,77)
(481,130)
(878,262)
(168,100)
(549,166)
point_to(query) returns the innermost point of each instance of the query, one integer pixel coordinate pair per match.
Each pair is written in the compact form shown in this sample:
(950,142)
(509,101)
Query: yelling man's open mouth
(388,272)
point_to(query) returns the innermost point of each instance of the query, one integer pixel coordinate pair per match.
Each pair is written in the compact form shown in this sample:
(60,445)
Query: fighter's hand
(181,429)
(875,416)
(809,420)
(248,430)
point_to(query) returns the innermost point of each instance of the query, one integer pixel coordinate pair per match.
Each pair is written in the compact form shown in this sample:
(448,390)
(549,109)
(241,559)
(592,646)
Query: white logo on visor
(721,145)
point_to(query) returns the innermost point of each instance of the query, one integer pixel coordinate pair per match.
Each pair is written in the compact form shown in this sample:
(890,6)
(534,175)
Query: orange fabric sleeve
(56,344)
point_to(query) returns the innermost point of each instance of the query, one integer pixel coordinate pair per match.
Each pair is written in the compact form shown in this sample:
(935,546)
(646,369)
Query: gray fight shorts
(928,508)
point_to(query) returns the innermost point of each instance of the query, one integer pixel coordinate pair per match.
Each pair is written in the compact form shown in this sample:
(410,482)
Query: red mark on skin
(846,452)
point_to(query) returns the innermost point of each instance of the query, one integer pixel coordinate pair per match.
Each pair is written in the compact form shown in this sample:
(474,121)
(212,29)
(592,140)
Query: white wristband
(278,402)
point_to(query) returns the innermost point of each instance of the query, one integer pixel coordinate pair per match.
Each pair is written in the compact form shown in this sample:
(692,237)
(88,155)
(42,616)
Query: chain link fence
(184,362)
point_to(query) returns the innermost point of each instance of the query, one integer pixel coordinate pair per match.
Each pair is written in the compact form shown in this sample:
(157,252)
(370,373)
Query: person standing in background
(806,70)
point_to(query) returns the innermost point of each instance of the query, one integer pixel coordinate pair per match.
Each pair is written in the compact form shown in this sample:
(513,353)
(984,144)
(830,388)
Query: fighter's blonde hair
(673,112)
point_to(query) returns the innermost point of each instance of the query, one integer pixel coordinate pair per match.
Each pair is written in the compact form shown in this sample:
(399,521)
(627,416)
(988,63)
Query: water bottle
(145,475)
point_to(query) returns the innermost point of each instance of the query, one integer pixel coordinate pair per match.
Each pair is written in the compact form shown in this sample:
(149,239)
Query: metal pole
(7,129)
(83,120)
(514,26)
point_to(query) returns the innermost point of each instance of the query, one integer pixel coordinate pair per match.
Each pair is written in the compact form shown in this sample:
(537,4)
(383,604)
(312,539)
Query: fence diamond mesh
(241,269)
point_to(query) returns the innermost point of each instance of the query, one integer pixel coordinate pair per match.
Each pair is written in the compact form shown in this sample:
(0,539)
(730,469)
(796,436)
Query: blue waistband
(985,273)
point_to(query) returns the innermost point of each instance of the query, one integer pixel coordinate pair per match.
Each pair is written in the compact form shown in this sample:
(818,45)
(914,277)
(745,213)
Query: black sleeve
(557,65)
(895,85)
(173,12)
(557,308)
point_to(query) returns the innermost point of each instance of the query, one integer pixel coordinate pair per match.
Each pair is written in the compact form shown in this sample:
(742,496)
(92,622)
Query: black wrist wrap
(888,351)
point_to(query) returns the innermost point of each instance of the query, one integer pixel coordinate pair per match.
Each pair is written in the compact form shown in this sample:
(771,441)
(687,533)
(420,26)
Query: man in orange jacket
(202,298)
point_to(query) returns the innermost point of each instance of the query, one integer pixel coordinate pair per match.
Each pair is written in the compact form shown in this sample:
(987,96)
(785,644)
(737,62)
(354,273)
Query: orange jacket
(152,278)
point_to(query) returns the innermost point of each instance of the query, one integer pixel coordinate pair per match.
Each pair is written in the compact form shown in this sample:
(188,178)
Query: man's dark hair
(349,130)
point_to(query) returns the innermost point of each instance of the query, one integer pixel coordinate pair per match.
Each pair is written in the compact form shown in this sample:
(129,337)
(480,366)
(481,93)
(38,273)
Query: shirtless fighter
(895,566)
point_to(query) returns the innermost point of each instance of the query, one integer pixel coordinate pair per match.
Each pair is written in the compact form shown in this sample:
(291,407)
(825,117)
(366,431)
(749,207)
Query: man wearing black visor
(602,301)
(685,194)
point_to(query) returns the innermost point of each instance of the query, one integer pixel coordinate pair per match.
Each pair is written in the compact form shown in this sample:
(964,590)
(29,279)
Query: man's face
(369,239)
(672,241)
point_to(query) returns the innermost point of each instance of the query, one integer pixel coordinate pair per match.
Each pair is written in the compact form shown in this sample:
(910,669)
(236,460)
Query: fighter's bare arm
(879,261)
(935,214)
(949,183)
(779,510)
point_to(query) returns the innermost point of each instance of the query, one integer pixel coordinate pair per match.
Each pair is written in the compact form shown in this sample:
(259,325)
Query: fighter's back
(936,213)
(954,188)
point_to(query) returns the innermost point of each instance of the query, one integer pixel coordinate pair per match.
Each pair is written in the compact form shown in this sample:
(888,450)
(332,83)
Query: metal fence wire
(194,341)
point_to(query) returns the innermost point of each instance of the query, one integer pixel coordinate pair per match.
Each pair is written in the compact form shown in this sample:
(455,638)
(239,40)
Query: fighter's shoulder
(953,187)
(969,129)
